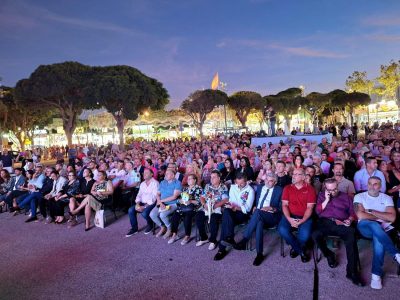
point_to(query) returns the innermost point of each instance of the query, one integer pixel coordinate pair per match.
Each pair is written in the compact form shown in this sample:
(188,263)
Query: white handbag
(99,218)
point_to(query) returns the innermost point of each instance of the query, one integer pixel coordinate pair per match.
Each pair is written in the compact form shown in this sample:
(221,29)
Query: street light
(223,88)
(302,88)
(146,114)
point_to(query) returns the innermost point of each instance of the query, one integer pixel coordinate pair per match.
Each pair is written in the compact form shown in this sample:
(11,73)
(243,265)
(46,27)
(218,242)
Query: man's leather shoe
(240,246)
(220,254)
(355,279)
(293,254)
(258,260)
(304,257)
(332,261)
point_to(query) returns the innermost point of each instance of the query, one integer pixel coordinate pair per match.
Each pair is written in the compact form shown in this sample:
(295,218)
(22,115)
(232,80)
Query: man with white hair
(266,213)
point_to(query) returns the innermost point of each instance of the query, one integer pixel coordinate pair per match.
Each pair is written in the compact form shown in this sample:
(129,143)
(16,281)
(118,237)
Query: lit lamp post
(222,87)
(303,88)
(146,114)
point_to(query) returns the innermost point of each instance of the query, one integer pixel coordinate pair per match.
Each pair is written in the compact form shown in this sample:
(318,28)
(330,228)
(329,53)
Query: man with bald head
(298,200)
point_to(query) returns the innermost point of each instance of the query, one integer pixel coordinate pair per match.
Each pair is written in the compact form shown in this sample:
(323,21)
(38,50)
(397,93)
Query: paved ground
(53,262)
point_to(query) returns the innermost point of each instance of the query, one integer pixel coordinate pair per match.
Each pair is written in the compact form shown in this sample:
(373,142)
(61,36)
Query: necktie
(263,199)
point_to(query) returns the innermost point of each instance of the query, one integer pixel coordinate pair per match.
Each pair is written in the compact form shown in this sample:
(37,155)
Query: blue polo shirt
(167,189)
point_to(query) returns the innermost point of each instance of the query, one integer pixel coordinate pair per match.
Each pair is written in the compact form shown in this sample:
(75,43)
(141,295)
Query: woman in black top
(246,168)
(69,190)
(85,186)
(228,172)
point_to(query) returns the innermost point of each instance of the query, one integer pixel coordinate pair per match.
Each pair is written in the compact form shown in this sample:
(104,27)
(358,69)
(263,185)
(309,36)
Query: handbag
(99,218)
(182,208)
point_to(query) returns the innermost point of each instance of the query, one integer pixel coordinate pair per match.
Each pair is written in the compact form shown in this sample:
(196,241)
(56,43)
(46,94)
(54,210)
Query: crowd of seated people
(308,191)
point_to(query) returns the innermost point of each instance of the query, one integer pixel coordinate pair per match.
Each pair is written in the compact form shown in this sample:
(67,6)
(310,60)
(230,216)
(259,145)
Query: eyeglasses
(332,190)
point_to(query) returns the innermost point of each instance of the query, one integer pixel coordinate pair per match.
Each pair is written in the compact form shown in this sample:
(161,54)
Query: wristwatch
(369,211)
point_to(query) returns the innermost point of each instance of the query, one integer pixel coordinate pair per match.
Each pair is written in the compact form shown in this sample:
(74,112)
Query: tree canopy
(21,118)
(343,100)
(358,82)
(200,103)
(389,78)
(315,104)
(287,103)
(243,103)
(58,86)
(125,92)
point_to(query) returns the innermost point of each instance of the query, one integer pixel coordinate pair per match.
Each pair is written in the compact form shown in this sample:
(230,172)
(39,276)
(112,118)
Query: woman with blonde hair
(267,167)
(191,169)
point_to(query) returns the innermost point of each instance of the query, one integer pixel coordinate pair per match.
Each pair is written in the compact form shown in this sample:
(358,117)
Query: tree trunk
(242,118)
(315,123)
(200,128)
(351,116)
(69,124)
(21,140)
(69,133)
(121,122)
(288,123)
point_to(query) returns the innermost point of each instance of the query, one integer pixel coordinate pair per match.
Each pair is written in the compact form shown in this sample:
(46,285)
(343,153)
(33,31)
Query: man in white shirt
(58,183)
(371,169)
(116,175)
(237,211)
(375,212)
(145,202)
(92,166)
(131,182)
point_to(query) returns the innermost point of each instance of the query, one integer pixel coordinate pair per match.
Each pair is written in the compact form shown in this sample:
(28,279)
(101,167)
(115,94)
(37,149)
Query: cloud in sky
(26,15)
(384,37)
(292,50)
(382,20)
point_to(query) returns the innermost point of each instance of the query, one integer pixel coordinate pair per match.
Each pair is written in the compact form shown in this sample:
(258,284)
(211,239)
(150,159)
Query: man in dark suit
(15,188)
(266,213)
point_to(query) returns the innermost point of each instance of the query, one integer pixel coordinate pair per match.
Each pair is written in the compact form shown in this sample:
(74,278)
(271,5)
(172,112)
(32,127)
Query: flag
(215,82)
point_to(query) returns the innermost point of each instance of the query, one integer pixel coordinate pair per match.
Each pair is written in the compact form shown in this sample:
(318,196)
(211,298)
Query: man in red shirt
(298,200)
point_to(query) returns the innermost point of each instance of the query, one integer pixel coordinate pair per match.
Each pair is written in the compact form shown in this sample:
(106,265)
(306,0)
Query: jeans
(303,234)
(187,221)
(14,194)
(161,218)
(231,218)
(380,243)
(258,221)
(272,124)
(31,201)
(201,220)
(327,227)
(132,213)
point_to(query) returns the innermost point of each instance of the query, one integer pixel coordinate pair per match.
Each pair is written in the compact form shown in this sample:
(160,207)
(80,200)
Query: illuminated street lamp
(146,114)
(302,88)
